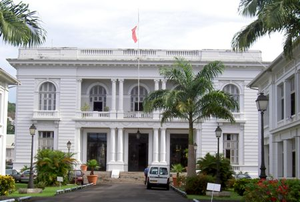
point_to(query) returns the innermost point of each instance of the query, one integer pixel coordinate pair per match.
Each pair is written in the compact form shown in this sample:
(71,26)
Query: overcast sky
(164,24)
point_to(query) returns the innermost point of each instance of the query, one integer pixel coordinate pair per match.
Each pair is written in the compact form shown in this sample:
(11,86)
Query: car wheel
(148,185)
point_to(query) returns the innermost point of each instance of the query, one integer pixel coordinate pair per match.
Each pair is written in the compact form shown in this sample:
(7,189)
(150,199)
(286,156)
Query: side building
(280,82)
(5,81)
(93,98)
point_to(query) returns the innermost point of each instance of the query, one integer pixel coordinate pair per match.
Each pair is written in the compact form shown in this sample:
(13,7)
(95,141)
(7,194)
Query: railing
(132,54)
(94,114)
(45,114)
(137,115)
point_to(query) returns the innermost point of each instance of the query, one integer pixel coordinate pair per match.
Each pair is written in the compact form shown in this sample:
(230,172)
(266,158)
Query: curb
(59,191)
(62,191)
(183,193)
(179,191)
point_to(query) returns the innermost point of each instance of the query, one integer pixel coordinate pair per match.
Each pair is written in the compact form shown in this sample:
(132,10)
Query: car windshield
(163,171)
(154,171)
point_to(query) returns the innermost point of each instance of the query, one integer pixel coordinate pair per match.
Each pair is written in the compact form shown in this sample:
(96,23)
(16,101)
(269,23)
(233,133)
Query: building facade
(93,98)
(280,82)
(5,81)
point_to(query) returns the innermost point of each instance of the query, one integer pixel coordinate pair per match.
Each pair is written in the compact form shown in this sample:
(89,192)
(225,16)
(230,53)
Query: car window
(8,171)
(163,171)
(154,171)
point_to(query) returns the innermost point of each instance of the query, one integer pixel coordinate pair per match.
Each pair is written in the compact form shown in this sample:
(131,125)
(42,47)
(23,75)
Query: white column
(155,146)
(163,84)
(78,145)
(113,95)
(156,87)
(79,94)
(120,145)
(121,98)
(287,148)
(163,145)
(198,142)
(241,145)
(271,156)
(113,144)
(297,148)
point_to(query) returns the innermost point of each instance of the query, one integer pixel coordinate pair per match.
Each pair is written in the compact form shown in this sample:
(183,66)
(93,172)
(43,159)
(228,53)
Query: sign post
(213,187)
(60,179)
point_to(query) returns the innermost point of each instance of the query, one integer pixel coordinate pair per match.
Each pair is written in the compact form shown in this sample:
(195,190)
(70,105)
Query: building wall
(281,133)
(75,71)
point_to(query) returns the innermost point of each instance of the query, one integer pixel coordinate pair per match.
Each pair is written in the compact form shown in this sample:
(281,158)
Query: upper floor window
(231,148)
(138,98)
(98,98)
(47,96)
(292,96)
(234,91)
(280,102)
(46,140)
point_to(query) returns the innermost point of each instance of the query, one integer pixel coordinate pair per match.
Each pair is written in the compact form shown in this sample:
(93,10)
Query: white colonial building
(280,82)
(5,81)
(90,97)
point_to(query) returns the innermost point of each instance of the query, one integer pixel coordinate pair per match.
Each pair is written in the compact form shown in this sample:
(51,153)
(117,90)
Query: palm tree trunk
(191,171)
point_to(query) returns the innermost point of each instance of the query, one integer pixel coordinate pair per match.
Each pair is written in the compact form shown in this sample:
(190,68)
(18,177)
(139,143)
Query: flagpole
(139,54)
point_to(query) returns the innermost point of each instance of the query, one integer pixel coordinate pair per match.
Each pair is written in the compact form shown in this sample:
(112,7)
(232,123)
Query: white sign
(60,179)
(213,187)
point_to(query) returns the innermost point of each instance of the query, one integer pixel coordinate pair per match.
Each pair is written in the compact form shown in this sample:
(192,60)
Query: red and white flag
(134,37)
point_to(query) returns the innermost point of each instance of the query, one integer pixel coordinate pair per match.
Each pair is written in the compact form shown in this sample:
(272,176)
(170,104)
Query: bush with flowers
(7,184)
(273,191)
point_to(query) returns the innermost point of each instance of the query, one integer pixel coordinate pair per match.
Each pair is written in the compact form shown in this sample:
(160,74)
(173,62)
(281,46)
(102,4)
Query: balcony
(138,115)
(45,115)
(94,115)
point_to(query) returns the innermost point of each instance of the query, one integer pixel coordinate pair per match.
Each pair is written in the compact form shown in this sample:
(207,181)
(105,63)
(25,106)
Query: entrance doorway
(178,149)
(138,152)
(98,106)
(96,148)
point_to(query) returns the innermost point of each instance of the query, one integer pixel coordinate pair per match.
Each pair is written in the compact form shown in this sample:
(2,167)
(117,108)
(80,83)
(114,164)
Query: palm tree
(18,25)
(272,16)
(193,99)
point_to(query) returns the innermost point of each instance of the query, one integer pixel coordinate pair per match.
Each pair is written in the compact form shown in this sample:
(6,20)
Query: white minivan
(158,176)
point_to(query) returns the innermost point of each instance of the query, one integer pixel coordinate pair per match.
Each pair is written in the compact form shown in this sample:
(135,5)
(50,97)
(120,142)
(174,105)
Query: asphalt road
(117,193)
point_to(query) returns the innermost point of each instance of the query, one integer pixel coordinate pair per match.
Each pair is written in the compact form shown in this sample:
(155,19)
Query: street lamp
(32,133)
(218,132)
(262,104)
(69,146)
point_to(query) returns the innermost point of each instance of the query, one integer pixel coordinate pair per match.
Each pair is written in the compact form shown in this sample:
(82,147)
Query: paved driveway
(117,192)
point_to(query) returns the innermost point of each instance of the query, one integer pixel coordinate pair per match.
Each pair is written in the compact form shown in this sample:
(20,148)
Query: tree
(208,166)
(18,25)
(272,16)
(53,163)
(192,99)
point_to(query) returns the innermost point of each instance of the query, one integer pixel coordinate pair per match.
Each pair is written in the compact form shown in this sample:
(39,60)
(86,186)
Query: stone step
(125,177)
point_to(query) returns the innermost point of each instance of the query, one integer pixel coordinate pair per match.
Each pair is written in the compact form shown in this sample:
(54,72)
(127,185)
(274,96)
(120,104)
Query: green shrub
(294,190)
(53,163)
(7,184)
(231,182)
(240,185)
(197,185)
(41,185)
(208,166)
(273,190)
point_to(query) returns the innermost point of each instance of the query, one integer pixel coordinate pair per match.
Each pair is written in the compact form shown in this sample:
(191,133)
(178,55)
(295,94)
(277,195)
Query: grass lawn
(48,191)
(233,197)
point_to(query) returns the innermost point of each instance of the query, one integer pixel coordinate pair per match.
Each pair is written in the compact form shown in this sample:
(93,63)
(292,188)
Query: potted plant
(92,164)
(178,168)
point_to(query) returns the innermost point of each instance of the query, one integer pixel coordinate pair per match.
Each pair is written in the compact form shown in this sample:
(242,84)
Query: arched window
(234,91)
(137,99)
(47,96)
(98,98)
